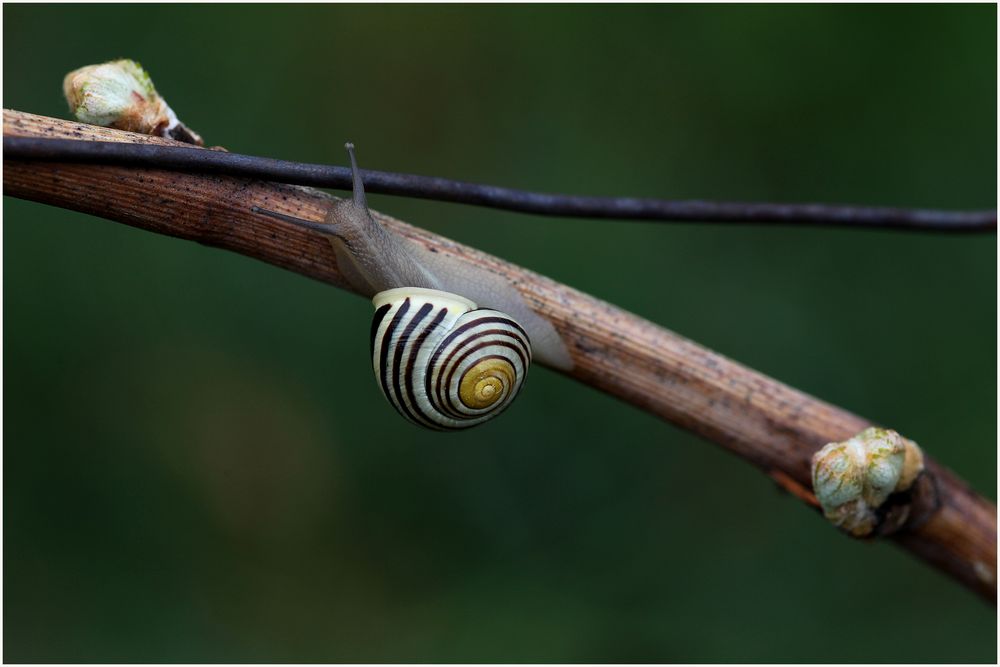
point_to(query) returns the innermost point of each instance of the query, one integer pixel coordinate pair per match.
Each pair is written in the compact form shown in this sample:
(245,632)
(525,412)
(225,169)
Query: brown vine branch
(771,425)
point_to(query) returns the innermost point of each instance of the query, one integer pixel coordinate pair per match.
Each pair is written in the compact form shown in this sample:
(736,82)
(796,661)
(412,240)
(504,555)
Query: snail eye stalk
(322,228)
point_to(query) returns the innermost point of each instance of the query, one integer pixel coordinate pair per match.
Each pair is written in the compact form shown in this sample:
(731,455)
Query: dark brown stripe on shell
(410,378)
(506,319)
(469,325)
(467,352)
(376,321)
(386,337)
(397,359)
(448,405)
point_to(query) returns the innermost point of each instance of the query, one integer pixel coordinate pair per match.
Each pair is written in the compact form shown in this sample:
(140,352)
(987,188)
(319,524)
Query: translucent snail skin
(442,359)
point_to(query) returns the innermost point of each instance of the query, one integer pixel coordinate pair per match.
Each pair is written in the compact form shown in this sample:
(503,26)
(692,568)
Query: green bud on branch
(121,95)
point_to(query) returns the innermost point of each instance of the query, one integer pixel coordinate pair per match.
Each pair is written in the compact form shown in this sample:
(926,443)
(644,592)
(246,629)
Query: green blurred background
(199,466)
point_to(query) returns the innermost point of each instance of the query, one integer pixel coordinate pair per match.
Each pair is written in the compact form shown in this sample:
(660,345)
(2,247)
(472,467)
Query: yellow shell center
(483,384)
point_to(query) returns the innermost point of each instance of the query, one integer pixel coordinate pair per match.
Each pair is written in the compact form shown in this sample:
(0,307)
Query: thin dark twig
(428,187)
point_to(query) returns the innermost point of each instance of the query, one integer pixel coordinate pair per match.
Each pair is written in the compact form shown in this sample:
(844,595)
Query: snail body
(441,361)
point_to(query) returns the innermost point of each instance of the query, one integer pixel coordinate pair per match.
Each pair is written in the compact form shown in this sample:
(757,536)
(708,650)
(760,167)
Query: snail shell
(443,362)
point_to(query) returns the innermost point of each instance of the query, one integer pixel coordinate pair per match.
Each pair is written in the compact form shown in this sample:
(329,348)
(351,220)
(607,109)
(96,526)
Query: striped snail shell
(443,362)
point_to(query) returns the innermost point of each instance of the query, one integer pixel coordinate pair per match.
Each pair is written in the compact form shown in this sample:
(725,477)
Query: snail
(441,360)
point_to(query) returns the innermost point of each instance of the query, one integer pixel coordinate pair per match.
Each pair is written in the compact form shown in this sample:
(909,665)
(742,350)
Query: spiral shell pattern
(443,362)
